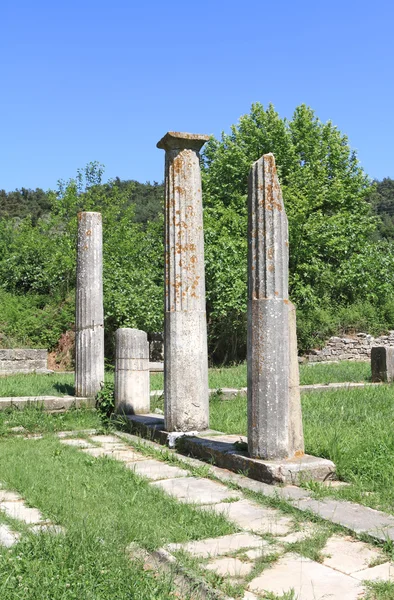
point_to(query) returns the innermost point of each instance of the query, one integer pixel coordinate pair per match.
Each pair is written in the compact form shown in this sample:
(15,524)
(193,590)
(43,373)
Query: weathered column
(186,405)
(131,372)
(296,430)
(271,434)
(382,364)
(89,318)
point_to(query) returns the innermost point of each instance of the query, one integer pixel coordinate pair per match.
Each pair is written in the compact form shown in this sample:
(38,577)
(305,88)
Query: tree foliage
(330,220)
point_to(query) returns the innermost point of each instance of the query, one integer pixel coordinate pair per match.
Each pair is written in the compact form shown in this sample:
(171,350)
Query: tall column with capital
(186,399)
(89,318)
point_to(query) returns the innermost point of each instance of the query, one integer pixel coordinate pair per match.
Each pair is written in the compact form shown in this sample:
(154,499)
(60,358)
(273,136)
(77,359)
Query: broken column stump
(132,393)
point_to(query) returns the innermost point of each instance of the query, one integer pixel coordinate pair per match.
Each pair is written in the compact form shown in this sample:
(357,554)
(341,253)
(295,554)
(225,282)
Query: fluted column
(268,315)
(131,372)
(186,406)
(89,318)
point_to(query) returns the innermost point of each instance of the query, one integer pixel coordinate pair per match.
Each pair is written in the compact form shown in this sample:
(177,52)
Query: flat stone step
(309,580)
(254,517)
(230,567)
(76,442)
(347,555)
(156,470)
(21,512)
(196,490)
(226,544)
(8,537)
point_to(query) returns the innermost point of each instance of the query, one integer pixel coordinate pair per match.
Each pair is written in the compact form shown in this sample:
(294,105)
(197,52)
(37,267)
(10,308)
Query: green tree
(324,191)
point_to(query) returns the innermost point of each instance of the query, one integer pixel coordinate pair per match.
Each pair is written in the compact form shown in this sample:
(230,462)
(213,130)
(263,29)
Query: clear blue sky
(83,81)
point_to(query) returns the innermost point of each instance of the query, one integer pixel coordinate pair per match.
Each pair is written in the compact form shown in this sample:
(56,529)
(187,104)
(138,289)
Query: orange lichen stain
(299,453)
(286,243)
(85,247)
(178,189)
(193,259)
(271,268)
(286,301)
(276,293)
(89,232)
(270,253)
(177,164)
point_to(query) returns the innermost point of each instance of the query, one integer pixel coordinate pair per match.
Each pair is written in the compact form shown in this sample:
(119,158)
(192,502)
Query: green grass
(60,384)
(354,428)
(35,420)
(104,507)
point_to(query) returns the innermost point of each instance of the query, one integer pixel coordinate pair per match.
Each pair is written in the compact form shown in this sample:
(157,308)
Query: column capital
(176,140)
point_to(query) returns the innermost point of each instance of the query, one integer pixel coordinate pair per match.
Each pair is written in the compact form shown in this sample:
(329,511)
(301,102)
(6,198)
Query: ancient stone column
(271,434)
(382,364)
(89,318)
(186,406)
(131,372)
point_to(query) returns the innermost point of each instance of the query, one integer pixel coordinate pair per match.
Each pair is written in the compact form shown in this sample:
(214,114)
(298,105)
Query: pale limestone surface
(8,537)
(131,372)
(125,455)
(348,555)
(156,470)
(268,315)
(384,572)
(250,596)
(196,490)
(254,517)
(230,567)
(310,580)
(18,510)
(89,311)
(105,439)
(78,443)
(6,496)
(186,401)
(225,544)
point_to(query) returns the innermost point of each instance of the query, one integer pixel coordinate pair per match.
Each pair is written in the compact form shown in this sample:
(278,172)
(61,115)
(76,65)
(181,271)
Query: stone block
(308,579)
(347,555)
(382,364)
(195,490)
(8,537)
(226,544)
(230,567)
(131,372)
(156,470)
(253,517)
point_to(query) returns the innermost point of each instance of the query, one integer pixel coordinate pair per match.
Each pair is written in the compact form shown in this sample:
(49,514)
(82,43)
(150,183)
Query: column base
(227,452)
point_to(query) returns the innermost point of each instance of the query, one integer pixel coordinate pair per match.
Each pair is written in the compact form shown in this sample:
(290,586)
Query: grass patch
(351,427)
(103,507)
(36,420)
(60,384)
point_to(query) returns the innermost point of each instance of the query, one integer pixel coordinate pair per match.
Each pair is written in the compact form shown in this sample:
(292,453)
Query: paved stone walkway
(259,557)
(13,506)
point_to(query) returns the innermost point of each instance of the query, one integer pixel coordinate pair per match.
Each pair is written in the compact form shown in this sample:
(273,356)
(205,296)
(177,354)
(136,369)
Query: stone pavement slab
(124,455)
(105,439)
(156,470)
(254,517)
(230,567)
(8,537)
(384,572)
(348,555)
(196,490)
(77,442)
(18,510)
(250,596)
(355,517)
(6,496)
(226,544)
(309,580)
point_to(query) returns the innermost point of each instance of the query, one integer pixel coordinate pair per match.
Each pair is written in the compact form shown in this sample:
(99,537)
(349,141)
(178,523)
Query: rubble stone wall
(352,347)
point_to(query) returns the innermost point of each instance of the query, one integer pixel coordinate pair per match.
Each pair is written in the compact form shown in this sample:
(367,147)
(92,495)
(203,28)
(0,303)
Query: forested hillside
(341,241)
